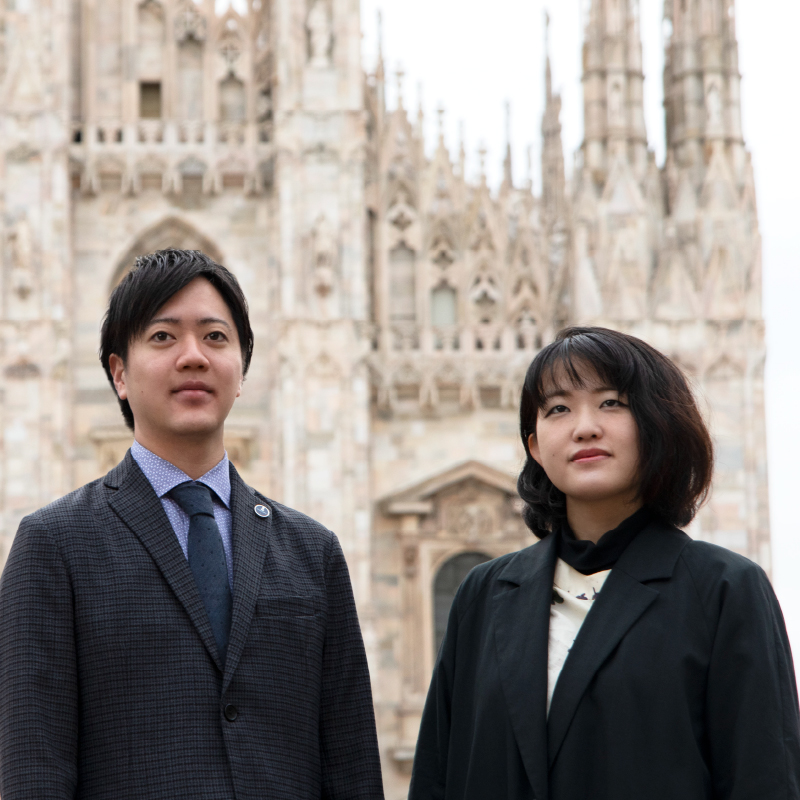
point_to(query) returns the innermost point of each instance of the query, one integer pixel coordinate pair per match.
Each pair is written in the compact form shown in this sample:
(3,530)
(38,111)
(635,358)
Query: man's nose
(191,355)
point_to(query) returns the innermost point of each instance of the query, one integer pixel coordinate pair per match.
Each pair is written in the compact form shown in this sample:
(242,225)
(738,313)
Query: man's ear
(533,449)
(117,367)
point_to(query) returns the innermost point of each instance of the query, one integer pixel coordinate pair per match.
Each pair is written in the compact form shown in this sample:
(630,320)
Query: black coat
(679,686)
(110,679)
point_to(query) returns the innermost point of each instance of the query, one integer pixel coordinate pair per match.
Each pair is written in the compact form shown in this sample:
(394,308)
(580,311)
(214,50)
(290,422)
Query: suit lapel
(250,535)
(521,610)
(622,601)
(137,505)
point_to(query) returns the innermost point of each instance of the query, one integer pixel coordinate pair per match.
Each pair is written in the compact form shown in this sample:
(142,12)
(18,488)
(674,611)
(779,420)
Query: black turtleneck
(588,557)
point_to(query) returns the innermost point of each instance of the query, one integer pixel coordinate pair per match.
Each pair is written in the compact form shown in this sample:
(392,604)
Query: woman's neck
(589,520)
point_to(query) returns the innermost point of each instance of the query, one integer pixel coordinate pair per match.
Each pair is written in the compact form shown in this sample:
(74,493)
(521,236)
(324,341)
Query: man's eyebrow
(161,320)
(213,321)
(176,321)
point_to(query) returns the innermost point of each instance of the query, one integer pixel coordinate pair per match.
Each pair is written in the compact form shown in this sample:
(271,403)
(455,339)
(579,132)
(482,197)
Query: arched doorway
(445,585)
(171,232)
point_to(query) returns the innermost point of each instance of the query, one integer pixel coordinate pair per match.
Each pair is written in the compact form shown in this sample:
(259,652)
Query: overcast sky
(473,57)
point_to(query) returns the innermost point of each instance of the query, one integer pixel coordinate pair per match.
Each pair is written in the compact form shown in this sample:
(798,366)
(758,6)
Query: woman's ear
(533,449)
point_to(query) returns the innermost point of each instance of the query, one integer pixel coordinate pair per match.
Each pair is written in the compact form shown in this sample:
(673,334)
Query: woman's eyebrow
(556,392)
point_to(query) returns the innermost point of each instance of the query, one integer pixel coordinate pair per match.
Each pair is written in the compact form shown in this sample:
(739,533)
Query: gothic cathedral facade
(396,305)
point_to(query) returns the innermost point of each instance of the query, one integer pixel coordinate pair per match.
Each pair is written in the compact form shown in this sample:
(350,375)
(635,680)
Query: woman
(617,658)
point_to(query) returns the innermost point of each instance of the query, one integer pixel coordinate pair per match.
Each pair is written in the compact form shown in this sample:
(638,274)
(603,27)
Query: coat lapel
(521,610)
(137,505)
(250,535)
(622,601)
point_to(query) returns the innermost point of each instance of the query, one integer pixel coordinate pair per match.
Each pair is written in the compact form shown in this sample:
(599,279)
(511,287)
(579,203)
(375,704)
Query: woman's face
(587,441)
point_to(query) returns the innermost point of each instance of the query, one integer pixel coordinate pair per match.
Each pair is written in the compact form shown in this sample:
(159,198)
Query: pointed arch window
(443,306)
(445,585)
(151,35)
(190,80)
(402,284)
(232,100)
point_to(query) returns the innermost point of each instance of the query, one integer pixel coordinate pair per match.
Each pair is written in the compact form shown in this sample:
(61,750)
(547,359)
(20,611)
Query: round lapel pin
(262,511)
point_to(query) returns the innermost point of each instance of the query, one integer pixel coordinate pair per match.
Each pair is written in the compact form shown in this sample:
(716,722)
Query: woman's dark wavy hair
(152,280)
(676,456)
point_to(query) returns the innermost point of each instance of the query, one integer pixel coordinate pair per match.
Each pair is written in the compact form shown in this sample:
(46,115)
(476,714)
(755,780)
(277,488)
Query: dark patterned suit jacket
(110,680)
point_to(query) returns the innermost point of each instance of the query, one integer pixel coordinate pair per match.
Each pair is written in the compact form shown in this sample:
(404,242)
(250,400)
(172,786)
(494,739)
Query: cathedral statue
(320,33)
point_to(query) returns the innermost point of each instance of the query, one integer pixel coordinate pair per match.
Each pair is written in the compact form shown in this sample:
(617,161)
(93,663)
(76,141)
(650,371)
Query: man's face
(184,372)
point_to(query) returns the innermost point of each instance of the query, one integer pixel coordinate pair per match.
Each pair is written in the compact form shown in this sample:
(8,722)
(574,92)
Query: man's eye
(161,336)
(216,336)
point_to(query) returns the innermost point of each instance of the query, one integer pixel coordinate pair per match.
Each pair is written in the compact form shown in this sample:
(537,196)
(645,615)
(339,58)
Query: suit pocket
(286,606)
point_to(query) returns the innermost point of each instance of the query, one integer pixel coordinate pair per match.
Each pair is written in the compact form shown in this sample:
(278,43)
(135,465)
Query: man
(167,631)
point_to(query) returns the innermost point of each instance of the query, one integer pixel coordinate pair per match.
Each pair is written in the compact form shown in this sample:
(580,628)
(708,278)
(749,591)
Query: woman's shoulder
(713,559)
(511,567)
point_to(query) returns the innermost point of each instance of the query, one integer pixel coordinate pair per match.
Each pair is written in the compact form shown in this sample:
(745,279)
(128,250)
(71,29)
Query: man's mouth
(193,389)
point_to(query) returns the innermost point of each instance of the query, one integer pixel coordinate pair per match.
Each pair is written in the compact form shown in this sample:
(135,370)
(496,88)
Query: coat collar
(625,596)
(137,505)
(251,538)
(521,608)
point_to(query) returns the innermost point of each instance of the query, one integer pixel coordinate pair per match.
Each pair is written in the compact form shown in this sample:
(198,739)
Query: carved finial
(507,172)
(440,122)
(400,74)
(482,158)
(548,74)
(529,165)
(420,113)
(462,150)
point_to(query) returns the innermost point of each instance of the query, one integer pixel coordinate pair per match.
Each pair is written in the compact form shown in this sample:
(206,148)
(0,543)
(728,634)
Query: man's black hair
(151,282)
(676,455)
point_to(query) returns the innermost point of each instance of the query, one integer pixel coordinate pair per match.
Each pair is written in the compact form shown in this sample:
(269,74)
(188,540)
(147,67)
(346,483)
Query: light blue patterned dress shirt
(164,477)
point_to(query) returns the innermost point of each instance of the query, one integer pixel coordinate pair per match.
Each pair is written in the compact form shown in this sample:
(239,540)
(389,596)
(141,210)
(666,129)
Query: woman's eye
(612,403)
(557,410)
(216,336)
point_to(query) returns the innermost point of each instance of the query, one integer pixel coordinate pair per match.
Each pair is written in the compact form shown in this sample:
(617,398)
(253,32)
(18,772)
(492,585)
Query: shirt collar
(164,476)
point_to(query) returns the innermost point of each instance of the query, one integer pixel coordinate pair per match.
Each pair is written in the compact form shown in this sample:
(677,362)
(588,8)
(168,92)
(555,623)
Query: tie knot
(193,498)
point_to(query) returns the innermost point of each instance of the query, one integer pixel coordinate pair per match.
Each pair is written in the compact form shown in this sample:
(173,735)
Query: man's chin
(193,427)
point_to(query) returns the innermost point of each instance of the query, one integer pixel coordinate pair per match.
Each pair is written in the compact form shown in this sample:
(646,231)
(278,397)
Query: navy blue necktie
(207,558)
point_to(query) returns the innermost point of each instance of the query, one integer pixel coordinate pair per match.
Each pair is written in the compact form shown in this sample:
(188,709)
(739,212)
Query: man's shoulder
(82,502)
(292,518)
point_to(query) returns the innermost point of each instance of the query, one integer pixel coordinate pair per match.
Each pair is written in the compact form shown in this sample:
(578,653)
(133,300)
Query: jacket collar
(521,606)
(135,502)
(625,596)
(251,542)
(521,611)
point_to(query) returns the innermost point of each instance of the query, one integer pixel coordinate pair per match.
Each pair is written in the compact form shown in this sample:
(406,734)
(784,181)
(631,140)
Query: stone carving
(189,23)
(320,34)
(324,250)
(20,241)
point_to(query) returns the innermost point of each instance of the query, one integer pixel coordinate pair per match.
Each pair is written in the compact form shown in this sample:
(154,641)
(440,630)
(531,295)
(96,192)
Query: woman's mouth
(589,455)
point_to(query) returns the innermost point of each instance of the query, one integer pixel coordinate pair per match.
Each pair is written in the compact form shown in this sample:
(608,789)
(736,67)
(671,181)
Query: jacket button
(230,712)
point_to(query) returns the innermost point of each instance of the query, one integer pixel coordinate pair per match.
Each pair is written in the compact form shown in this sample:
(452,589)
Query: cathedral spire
(613,88)
(508,180)
(380,70)
(553,186)
(702,84)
